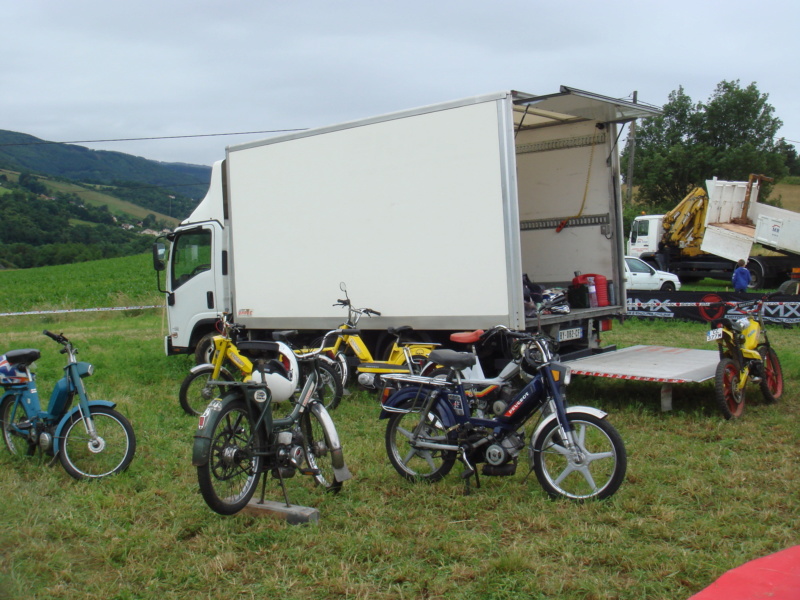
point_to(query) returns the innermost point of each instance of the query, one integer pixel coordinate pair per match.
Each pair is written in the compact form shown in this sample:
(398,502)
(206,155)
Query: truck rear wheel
(790,288)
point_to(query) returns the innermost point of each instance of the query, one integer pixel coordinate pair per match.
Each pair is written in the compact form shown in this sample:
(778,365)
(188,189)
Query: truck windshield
(639,229)
(191,255)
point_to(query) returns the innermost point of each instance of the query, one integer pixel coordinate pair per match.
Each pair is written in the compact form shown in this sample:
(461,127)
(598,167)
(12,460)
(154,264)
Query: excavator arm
(684,224)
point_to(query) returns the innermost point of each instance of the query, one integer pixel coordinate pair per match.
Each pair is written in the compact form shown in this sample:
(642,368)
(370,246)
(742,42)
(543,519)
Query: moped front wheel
(411,460)
(12,414)
(229,477)
(730,397)
(329,388)
(593,468)
(772,380)
(196,391)
(318,449)
(110,451)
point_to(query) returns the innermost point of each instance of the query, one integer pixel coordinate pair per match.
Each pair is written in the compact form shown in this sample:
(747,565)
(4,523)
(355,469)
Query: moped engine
(370,381)
(501,456)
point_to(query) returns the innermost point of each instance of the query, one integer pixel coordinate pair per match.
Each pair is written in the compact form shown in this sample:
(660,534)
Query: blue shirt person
(741,277)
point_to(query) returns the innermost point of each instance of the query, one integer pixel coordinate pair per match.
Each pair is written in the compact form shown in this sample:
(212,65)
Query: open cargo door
(571,106)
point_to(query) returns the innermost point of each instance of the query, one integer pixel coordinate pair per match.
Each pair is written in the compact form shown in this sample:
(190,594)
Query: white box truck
(430,216)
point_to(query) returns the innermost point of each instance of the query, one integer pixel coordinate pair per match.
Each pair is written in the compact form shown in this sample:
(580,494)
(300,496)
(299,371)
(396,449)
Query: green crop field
(702,495)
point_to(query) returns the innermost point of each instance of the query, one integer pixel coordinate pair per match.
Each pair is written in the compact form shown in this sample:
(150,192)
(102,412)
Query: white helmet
(280,374)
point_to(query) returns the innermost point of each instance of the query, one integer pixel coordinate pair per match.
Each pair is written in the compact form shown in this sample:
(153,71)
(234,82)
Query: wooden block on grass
(293,514)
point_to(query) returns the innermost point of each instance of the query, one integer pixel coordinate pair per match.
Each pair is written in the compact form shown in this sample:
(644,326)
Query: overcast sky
(106,69)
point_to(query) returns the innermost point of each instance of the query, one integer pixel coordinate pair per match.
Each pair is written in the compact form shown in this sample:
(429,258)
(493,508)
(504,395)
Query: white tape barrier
(75,310)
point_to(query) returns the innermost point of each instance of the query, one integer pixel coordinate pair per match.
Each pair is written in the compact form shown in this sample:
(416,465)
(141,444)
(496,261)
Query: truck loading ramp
(661,364)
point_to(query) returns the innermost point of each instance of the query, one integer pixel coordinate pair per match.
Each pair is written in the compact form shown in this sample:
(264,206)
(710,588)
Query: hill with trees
(172,189)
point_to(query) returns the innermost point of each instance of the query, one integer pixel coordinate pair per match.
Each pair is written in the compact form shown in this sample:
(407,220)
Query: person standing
(741,277)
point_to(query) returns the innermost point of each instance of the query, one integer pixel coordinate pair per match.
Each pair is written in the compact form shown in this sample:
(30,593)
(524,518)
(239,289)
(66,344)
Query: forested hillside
(37,231)
(172,189)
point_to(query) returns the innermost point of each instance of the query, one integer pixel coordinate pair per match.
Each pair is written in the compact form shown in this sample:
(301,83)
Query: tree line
(37,231)
(730,136)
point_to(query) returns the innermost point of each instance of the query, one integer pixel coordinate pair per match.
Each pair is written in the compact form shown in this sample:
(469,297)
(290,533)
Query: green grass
(702,494)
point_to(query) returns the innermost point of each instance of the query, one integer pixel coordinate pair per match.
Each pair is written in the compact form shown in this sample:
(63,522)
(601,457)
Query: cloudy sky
(102,69)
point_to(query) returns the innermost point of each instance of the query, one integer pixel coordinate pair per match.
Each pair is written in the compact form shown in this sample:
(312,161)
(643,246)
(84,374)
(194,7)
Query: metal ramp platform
(661,364)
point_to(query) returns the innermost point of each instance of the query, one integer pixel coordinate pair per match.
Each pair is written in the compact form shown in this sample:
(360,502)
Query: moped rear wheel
(730,398)
(411,461)
(594,469)
(229,477)
(85,457)
(772,381)
(11,414)
(195,392)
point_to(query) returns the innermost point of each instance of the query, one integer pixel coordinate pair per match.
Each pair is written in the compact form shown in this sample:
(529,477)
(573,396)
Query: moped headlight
(741,324)
(85,369)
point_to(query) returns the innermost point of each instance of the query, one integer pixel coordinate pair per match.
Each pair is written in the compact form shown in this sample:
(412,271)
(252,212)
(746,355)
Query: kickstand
(263,489)
(467,474)
(283,487)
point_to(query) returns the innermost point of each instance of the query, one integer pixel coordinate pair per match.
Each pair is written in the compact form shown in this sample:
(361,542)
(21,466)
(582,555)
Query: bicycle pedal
(24,425)
(311,472)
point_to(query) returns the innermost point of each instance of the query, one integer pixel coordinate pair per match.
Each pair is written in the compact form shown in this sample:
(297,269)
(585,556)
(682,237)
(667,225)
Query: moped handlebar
(57,337)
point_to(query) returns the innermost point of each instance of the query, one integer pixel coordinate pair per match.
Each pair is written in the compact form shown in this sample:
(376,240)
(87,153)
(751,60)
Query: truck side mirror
(159,254)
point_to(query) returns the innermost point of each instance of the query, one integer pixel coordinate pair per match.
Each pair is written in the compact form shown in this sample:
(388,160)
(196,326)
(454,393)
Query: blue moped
(91,439)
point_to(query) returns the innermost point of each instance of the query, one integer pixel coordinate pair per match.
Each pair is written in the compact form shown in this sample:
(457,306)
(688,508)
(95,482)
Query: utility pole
(631,152)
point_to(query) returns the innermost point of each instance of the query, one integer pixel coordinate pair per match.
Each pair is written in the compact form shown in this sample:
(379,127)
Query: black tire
(204,350)
(196,392)
(789,288)
(417,464)
(772,380)
(85,458)
(601,448)
(340,360)
(317,445)
(445,373)
(11,413)
(730,398)
(757,279)
(229,477)
(667,286)
(329,387)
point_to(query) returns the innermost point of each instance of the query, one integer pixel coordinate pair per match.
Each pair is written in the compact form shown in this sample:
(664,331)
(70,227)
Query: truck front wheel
(756,275)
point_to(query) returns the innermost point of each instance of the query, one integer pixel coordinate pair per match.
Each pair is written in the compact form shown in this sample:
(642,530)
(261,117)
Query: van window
(191,255)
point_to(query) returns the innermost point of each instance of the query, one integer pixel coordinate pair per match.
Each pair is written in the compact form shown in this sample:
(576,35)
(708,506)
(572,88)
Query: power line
(166,137)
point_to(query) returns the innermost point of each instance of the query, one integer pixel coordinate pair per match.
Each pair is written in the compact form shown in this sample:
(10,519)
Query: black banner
(707,306)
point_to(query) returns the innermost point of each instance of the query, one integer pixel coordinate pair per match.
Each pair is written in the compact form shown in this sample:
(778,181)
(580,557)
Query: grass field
(702,494)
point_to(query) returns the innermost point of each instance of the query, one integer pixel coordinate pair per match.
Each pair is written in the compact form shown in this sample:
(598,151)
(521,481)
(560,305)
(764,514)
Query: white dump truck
(710,230)
(430,216)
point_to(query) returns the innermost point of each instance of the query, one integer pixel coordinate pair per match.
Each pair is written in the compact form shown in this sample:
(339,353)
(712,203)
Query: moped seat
(22,357)
(452,359)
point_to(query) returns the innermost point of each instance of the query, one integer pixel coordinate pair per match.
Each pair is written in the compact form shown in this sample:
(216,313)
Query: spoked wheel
(411,461)
(318,442)
(730,398)
(772,381)
(229,478)
(110,451)
(329,389)
(11,415)
(196,392)
(595,468)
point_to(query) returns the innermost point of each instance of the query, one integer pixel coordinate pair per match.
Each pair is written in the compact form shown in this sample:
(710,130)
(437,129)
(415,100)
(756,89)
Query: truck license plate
(575,333)
(714,334)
